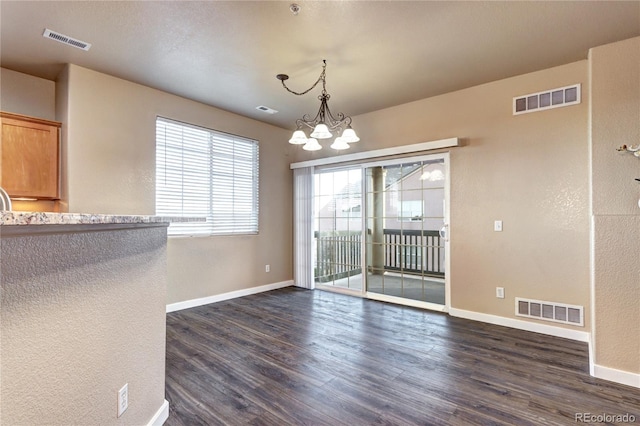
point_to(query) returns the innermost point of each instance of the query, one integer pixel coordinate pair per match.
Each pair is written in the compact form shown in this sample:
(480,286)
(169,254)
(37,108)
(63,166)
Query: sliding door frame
(339,168)
(447,258)
(363,165)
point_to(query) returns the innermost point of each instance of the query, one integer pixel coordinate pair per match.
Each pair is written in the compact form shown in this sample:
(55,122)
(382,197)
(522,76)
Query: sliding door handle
(444,232)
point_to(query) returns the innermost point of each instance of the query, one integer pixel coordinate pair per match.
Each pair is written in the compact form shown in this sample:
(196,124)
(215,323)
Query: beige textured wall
(82,314)
(27,95)
(615,120)
(530,171)
(110,168)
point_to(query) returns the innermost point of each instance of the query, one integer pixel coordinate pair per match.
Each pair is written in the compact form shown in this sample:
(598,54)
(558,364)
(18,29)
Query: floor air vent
(555,98)
(66,39)
(550,311)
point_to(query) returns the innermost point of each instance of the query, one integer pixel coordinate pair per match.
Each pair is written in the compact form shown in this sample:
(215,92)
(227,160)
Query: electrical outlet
(497,226)
(267,268)
(123,399)
(500,292)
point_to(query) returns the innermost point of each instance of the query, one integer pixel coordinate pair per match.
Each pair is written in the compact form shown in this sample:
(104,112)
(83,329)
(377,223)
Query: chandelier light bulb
(321,132)
(349,135)
(298,138)
(312,145)
(340,144)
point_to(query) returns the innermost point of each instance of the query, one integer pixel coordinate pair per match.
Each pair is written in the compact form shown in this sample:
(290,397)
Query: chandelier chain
(321,78)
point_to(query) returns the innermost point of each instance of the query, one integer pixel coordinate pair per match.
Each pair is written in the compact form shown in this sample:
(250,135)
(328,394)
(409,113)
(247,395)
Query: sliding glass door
(338,229)
(405,243)
(379,230)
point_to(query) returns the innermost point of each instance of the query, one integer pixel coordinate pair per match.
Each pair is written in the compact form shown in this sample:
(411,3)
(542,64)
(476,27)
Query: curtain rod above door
(385,152)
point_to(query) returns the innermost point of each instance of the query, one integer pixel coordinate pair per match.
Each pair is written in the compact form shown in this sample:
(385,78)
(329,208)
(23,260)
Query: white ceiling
(379,54)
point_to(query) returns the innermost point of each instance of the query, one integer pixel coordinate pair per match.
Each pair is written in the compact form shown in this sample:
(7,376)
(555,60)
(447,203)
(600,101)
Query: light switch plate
(123,399)
(497,226)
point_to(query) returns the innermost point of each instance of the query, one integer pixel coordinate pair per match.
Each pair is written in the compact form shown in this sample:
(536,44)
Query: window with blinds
(205,173)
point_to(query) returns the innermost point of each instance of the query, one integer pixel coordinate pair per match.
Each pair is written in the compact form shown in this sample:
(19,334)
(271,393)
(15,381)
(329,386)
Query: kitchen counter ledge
(14,222)
(74,285)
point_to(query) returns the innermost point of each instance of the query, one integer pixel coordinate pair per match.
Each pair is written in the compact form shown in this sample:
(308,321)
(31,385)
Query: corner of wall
(614,108)
(62,115)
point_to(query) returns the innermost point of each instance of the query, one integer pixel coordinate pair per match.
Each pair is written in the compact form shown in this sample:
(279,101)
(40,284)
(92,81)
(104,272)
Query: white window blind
(205,173)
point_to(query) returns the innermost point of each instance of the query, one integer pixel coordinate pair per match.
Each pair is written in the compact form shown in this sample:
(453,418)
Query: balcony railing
(338,254)
(419,252)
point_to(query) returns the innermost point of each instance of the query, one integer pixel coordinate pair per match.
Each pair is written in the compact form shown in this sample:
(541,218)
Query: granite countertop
(9,218)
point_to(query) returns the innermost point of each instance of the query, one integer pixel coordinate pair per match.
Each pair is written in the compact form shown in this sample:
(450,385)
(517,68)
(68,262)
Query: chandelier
(324,123)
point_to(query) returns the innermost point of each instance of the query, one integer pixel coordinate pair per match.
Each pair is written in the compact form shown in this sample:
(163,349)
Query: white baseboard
(178,306)
(597,371)
(581,336)
(161,415)
(405,302)
(618,376)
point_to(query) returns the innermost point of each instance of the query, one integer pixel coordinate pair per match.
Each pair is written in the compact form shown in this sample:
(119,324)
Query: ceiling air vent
(266,109)
(555,98)
(550,311)
(66,39)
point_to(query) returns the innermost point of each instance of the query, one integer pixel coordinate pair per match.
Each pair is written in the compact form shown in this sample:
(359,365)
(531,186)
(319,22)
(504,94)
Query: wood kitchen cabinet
(30,157)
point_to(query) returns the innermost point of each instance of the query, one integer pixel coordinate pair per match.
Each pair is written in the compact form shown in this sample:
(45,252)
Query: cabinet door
(29,160)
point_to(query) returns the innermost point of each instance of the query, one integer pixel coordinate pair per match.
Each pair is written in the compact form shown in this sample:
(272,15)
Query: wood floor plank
(300,357)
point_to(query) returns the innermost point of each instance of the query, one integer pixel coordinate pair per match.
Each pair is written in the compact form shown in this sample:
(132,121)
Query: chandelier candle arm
(324,123)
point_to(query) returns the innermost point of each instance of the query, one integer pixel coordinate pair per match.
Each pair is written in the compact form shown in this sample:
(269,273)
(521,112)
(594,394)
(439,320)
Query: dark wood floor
(294,356)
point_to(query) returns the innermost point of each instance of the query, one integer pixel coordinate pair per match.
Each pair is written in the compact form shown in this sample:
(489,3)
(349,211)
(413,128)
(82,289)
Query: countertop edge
(10,219)
(65,228)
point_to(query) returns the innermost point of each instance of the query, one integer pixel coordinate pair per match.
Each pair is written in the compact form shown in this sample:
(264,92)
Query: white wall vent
(66,39)
(555,98)
(550,311)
